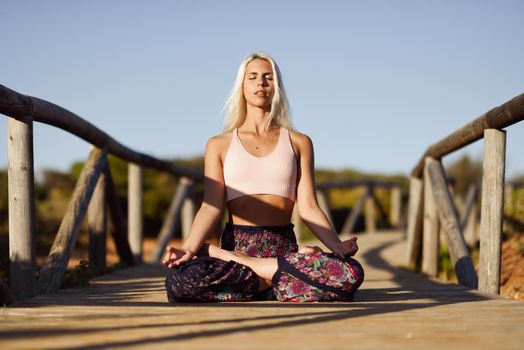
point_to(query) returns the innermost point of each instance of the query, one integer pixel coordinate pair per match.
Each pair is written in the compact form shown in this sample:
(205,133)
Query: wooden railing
(368,203)
(94,192)
(431,206)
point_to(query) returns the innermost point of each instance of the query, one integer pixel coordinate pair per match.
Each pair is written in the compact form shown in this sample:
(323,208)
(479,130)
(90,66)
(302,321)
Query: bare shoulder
(301,142)
(219,144)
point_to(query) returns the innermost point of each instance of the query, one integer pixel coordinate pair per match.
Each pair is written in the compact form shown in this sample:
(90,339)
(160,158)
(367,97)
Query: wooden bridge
(395,308)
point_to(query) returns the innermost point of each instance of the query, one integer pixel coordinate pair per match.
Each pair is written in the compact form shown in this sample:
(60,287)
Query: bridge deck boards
(395,309)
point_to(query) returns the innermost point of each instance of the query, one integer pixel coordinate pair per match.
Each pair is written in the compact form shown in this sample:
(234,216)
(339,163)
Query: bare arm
(308,207)
(212,207)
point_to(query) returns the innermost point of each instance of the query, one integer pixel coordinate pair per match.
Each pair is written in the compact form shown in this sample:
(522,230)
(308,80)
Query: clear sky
(373,83)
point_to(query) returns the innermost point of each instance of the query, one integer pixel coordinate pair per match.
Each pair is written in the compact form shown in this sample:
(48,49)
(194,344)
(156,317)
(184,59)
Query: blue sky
(373,83)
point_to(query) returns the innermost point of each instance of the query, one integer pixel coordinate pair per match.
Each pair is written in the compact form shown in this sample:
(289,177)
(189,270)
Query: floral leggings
(301,277)
(209,280)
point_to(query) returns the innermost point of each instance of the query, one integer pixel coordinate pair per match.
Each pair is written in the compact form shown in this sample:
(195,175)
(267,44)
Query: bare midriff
(260,210)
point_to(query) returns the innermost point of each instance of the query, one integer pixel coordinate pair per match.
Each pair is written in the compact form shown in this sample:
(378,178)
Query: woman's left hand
(346,248)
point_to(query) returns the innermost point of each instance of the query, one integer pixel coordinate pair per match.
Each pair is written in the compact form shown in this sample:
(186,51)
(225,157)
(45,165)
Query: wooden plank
(171,220)
(509,207)
(431,228)
(354,214)
(378,205)
(369,212)
(492,211)
(395,206)
(21,207)
(327,185)
(128,309)
(52,272)
(187,215)
(119,232)
(323,202)
(414,226)
(448,217)
(97,225)
(297,221)
(469,217)
(135,210)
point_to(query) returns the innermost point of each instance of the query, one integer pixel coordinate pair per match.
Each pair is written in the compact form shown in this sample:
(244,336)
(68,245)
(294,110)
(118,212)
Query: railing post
(323,202)
(351,220)
(448,218)
(508,200)
(297,221)
(492,210)
(395,206)
(369,211)
(172,219)
(431,229)
(414,227)
(135,210)
(97,222)
(188,211)
(52,271)
(21,207)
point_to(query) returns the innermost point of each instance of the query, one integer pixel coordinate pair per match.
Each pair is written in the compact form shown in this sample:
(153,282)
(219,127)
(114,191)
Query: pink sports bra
(275,173)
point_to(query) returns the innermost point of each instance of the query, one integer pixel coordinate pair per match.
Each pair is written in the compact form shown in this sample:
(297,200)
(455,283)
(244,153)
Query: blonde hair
(236,102)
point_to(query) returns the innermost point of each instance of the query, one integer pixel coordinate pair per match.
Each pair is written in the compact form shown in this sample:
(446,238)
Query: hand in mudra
(176,256)
(346,248)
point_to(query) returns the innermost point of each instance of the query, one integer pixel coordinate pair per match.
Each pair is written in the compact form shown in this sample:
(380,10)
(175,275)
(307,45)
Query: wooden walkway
(394,310)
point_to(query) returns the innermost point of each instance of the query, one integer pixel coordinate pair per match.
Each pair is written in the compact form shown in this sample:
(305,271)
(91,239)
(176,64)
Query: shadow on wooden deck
(132,302)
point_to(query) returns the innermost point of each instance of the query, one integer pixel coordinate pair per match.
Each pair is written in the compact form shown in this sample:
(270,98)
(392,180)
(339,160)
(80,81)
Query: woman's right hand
(176,256)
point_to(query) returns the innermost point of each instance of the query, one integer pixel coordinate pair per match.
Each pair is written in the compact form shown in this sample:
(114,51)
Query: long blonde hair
(236,102)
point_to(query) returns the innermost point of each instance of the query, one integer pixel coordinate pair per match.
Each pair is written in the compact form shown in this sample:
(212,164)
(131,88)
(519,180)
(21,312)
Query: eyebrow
(255,73)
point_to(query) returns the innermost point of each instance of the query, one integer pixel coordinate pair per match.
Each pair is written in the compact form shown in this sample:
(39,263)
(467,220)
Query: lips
(260,93)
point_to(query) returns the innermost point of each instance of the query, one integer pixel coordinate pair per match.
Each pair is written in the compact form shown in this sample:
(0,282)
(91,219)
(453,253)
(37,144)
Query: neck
(255,119)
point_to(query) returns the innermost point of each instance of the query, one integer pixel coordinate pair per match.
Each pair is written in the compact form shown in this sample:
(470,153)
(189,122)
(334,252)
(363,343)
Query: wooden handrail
(499,117)
(356,183)
(16,105)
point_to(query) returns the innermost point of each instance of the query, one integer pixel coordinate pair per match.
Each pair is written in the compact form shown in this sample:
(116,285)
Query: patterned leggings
(209,280)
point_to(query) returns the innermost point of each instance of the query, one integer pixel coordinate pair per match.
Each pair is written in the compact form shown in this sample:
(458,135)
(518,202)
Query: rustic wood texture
(135,210)
(448,217)
(492,210)
(369,212)
(414,226)
(21,204)
(171,220)
(396,206)
(97,223)
(431,228)
(119,232)
(17,105)
(394,309)
(327,185)
(354,214)
(52,272)
(381,211)
(297,221)
(323,202)
(499,117)
(469,217)
(187,215)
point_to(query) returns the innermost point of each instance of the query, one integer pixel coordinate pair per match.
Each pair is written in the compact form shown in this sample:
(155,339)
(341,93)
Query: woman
(261,166)
(309,275)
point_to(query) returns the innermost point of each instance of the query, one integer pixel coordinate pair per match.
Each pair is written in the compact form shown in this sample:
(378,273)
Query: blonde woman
(261,168)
